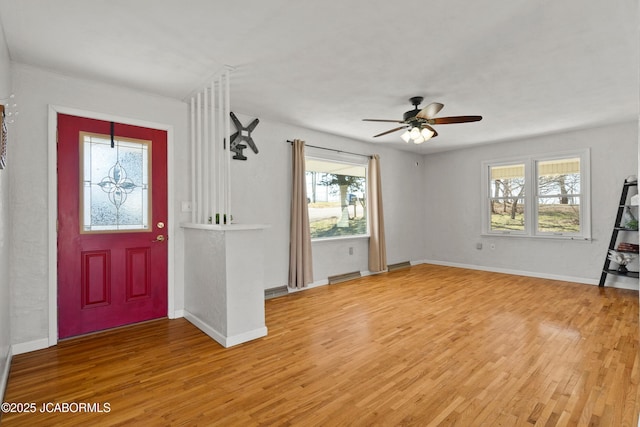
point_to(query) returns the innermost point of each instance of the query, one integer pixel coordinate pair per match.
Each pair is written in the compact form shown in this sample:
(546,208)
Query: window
(507,197)
(558,193)
(336,199)
(544,196)
(115,192)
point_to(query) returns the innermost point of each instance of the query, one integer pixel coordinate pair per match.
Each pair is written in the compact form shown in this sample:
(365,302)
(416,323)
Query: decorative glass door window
(115,180)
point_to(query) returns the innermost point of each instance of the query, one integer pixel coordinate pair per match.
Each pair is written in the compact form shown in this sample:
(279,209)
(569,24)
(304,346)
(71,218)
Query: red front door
(112,222)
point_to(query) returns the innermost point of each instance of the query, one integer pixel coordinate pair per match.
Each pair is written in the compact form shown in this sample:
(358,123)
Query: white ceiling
(528,67)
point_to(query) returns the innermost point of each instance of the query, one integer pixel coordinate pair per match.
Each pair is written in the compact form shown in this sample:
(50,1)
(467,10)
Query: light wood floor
(427,345)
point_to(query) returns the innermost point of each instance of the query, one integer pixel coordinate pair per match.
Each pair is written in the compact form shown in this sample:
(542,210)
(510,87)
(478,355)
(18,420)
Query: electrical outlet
(351,250)
(478,245)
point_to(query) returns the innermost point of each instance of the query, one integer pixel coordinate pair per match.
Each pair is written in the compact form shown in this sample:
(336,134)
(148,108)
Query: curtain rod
(333,149)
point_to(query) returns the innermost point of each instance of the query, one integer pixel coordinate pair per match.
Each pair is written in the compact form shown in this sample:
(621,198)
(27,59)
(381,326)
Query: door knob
(159,238)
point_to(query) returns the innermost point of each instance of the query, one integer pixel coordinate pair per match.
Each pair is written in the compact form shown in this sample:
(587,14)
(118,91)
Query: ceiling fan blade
(430,110)
(389,131)
(383,120)
(454,119)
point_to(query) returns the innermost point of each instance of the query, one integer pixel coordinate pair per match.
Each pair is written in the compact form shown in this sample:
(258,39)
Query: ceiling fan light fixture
(406,137)
(426,133)
(415,133)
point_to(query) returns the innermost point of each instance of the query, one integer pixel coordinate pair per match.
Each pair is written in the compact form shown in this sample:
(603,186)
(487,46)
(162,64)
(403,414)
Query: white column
(192,144)
(227,133)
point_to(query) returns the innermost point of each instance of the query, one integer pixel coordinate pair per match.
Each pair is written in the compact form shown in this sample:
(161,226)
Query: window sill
(538,237)
(225,227)
(338,238)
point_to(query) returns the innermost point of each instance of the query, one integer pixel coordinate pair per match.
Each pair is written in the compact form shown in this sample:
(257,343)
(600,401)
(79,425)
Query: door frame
(53,205)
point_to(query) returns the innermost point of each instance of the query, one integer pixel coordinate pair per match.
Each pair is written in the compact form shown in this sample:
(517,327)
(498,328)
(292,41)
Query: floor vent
(343,277)
(275,292)
(398,266)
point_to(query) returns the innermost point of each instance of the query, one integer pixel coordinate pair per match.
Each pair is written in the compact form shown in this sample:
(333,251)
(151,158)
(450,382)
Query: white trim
(336,156)
(485,197)
(4,380)
(52,144)
(53,208)
(542,237)
(335,238)
(206,328)
(582,280)
(585,192)
(530,195)
(27,347)
(224,227)
(514,272)
(221,338)
(339,157)
(246,336)
(177,314)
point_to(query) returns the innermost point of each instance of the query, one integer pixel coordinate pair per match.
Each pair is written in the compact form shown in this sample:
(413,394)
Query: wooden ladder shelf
(617,229)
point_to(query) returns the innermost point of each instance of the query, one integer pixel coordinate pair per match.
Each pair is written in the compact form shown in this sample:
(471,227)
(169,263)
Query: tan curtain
(377,244)
(300,260)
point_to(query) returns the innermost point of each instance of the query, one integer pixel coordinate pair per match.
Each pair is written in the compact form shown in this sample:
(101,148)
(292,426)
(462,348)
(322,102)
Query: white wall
(423,220)
(261,194)
(261,187)
(453,220)
(5,302)
(36,90)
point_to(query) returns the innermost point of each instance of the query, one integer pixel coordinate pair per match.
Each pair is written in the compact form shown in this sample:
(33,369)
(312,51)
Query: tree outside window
(545,196)
(559,197)
(336,198)
(507,200)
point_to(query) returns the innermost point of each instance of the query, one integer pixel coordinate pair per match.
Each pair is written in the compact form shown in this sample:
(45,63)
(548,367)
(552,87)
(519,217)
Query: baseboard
(206,328)
(27,347)
(246,336)
(515,272)
(177,314)
(538,275)
(5,374)
(620,285)
(219,337)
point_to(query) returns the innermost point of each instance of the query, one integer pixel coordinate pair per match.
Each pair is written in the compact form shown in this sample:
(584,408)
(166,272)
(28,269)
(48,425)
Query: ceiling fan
(418,122)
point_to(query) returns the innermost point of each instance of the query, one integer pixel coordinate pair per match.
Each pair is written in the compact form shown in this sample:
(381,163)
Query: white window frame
(531,196)
(347,159)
